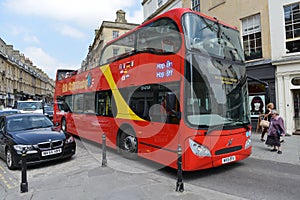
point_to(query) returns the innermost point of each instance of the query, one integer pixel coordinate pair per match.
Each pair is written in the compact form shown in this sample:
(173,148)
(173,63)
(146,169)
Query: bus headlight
(199,149)
(248,133)
(248,143)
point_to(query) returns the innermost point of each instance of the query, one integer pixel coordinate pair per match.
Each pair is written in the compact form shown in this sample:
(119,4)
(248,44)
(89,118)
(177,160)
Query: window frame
(252,37)
(115,34)
(196,5)
(292,27)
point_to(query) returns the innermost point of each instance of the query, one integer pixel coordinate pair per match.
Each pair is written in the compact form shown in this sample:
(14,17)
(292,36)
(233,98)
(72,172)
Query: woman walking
(267,116)
(276,130)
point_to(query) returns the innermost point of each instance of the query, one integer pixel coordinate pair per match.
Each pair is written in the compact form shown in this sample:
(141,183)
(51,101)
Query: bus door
(158,105)
(105,118)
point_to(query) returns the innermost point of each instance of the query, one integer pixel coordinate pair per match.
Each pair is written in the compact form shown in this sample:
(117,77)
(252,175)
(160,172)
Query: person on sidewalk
(270,107)
(276,130)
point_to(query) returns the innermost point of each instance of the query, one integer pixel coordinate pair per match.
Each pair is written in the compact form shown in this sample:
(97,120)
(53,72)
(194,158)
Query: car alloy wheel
(10,160)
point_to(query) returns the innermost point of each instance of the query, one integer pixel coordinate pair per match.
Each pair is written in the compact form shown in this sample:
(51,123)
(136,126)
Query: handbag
(264,123)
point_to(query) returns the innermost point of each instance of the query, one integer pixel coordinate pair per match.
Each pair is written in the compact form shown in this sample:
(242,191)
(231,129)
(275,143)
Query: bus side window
(104,104)
(89,103)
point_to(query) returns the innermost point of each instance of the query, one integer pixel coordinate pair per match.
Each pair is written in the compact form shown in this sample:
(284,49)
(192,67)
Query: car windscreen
(48,109)
(19,123)
(29,105)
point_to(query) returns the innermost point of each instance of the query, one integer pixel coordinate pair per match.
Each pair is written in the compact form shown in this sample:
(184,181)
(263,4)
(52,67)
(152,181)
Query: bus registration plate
(228,159)
(51,152)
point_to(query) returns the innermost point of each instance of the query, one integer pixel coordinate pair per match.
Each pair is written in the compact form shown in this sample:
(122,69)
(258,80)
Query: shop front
(261,87)
(288,86)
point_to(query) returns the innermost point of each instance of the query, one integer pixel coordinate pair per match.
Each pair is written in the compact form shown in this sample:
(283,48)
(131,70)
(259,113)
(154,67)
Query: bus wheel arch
(127,143)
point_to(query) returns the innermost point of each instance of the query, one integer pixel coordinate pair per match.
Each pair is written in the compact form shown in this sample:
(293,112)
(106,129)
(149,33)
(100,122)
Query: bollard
(179,184)
(104,161)
(24,184)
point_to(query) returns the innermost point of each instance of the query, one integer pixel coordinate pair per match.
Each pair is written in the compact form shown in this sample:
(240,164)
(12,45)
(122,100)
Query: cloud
(17,30)
(44,61)
(75,19)
(24,33)
(85,13)
(31,39)
(70,31)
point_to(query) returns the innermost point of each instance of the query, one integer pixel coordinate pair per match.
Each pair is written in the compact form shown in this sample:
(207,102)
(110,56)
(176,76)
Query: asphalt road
(249,179)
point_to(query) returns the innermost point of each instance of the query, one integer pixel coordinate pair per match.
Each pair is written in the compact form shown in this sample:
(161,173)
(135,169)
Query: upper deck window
(212,38)
(160,37)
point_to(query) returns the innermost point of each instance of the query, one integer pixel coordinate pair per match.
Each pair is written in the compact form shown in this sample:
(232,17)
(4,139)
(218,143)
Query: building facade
(108,31)
(20,80)
(285,40)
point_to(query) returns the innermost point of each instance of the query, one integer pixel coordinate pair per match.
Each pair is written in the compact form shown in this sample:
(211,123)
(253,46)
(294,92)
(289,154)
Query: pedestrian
(267,116)
(276,130)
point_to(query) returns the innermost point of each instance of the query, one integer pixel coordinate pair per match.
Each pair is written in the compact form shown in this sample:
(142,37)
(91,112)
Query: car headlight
(70,139)
(199,149)
(20,147)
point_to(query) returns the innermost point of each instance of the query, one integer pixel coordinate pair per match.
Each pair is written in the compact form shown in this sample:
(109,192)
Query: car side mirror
(56,124)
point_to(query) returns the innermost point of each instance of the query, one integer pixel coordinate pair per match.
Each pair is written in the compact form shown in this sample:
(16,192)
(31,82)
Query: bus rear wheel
(128,144)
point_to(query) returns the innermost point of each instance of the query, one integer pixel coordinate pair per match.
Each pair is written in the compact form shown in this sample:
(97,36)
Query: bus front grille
(228,150)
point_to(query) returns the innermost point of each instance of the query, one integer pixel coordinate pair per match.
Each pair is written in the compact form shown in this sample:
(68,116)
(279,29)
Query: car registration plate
(228,159)
(51,152)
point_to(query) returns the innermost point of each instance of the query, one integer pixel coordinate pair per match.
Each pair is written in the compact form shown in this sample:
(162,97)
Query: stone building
(108,31)
(19,79)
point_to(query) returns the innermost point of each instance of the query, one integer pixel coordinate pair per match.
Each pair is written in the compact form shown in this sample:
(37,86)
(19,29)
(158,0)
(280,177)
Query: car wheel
(128,144)
(64,125)
(10,161)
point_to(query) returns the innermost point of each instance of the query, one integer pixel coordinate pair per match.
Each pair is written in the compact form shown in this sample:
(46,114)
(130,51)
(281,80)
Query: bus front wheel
(128,144)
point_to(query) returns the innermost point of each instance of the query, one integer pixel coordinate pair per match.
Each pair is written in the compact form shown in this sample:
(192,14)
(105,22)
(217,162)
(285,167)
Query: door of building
(297,110)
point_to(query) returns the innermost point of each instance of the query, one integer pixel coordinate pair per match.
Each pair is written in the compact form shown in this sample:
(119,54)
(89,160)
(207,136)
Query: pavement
(87,181)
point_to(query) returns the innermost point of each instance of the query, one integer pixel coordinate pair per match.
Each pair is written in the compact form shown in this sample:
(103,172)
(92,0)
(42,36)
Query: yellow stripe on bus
(124,111)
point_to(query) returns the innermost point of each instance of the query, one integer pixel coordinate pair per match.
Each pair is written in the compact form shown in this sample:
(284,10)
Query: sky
(56,34)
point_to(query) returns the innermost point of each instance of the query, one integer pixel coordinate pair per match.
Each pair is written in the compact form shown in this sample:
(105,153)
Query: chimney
(121,17)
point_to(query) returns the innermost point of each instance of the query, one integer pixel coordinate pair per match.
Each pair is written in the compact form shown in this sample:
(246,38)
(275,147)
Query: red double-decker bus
(178,79)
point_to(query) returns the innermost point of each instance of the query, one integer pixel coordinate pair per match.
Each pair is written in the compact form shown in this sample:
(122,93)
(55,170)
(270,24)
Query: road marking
(7,180)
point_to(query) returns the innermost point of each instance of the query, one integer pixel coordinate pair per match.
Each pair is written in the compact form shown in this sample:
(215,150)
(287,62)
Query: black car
(35,135)
(48,111)
(9,111)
